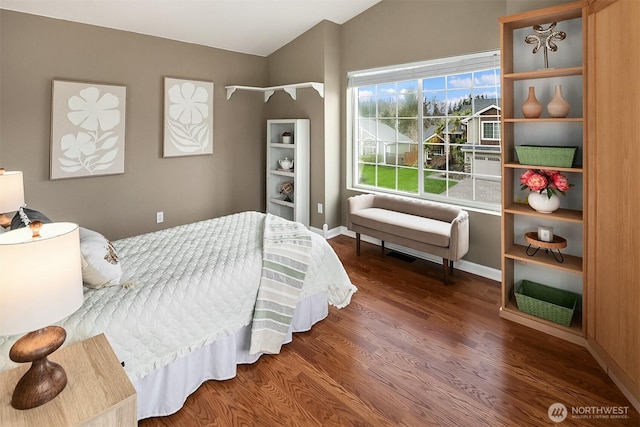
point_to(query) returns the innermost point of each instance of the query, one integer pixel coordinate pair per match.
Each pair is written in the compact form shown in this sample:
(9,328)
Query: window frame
(353,124)
(493,130)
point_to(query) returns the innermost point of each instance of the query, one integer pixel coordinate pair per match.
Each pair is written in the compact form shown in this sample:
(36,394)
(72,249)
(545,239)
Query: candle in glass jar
(545,234)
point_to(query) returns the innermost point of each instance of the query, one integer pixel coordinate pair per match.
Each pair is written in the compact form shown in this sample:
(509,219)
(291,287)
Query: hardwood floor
(410,351)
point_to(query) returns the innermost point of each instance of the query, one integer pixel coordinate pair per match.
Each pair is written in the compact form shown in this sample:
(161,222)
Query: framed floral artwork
(87,129)
(188,117)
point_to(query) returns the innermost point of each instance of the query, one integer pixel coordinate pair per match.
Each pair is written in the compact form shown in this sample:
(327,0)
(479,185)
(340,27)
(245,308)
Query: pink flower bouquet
(541,180)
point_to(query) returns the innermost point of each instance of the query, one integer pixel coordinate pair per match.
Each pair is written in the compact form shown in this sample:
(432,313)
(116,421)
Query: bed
(183,308)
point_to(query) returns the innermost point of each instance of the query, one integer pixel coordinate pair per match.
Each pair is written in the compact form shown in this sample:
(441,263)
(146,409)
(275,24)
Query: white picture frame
(87,129)
(188,117)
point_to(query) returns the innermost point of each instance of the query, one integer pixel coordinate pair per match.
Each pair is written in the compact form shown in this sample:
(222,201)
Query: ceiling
(258,27)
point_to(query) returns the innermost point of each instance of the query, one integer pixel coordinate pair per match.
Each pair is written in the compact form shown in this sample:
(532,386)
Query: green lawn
(407,179)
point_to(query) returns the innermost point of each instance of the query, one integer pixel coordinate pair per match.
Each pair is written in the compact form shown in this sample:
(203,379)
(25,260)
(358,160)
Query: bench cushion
(404,225)
(437,211)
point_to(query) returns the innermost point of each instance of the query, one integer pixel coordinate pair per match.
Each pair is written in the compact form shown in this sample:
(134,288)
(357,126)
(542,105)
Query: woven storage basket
(553,304)
(536,155)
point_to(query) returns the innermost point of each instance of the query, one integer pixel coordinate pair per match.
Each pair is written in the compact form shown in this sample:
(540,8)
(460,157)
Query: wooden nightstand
(98,392)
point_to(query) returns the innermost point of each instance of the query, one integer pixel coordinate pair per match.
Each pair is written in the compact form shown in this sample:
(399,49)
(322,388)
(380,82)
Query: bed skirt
(164,391)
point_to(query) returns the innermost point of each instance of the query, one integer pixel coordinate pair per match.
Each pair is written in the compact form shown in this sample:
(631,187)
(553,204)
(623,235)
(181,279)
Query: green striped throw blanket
(285,259)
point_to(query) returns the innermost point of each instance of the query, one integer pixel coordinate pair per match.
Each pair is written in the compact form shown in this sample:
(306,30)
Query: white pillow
(100,265)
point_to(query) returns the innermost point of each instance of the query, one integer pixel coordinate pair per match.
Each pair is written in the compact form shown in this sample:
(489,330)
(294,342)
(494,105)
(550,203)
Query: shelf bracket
(291,91)
(319,87)
(230,90)
(267,94)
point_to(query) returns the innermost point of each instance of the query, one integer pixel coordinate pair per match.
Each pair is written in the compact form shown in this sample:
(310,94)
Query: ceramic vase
(531,108)
(542,203)
(558,107)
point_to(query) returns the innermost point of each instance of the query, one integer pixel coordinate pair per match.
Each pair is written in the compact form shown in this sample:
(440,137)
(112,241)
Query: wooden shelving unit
(572,264)
(574,333)
(543,119)
(517,165)
(545,74)
(517,130)
(561,214)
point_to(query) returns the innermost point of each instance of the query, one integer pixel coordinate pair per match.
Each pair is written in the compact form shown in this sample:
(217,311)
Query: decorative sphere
(286,188)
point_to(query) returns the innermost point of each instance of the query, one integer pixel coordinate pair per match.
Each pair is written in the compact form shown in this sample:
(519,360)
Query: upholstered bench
(429,227)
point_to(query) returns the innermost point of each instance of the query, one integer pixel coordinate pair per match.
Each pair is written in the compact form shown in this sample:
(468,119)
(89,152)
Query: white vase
(542,203)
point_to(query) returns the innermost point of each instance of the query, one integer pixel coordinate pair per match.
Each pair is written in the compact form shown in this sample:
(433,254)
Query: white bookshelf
(298,150)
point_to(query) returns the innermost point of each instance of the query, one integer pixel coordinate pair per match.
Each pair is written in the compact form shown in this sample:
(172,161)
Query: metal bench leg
(358,244)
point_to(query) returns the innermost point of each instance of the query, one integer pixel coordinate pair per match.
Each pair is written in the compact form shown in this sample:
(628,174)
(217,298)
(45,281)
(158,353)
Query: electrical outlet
(319,208)
(159,217)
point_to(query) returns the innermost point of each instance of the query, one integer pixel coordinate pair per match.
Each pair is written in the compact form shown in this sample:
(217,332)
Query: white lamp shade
(40,278)
(11,191)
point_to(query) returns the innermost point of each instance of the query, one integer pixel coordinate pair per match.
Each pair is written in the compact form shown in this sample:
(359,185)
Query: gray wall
(404,31)
(519,6)
(302,60)
(315,56)
(34,50)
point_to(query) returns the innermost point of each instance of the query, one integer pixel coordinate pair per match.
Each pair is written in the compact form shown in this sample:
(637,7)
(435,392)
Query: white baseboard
(326,233)
(463,265)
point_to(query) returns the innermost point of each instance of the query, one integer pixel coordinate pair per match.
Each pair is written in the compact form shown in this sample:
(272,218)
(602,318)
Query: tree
(408,108)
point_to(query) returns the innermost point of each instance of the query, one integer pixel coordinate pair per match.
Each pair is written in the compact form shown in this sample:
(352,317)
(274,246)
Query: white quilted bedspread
(192,284)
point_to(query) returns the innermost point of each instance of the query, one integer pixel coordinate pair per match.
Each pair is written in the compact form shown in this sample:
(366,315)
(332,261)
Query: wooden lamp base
(5,221)
(45,379)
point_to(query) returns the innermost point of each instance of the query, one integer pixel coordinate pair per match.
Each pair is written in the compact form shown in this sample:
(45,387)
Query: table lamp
(40,284)
(11,194)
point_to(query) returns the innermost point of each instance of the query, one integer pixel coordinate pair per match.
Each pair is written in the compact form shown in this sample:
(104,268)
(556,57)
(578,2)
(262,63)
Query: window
(491,130)
(430,130)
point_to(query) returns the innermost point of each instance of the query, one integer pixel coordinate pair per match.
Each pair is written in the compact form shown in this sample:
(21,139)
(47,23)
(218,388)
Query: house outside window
(429,130)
